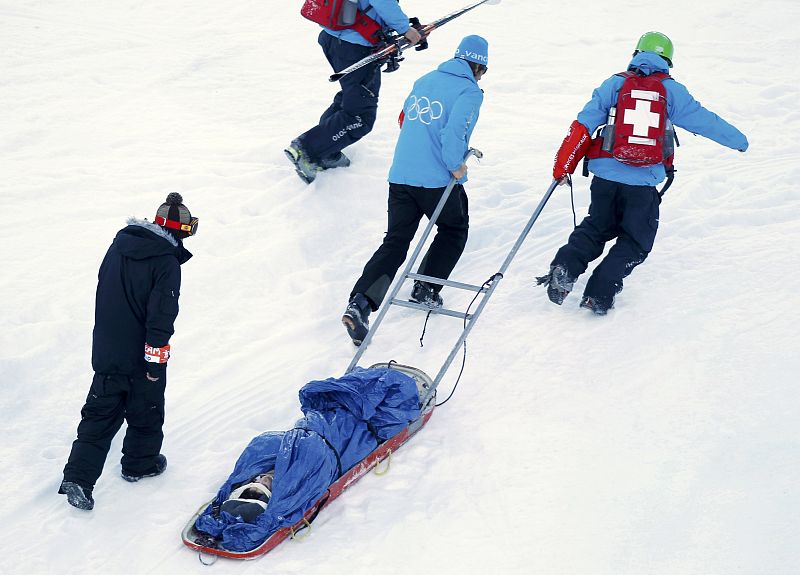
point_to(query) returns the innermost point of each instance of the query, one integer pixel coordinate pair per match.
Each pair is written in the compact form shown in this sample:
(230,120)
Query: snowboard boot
(355,318)
(77,496)
(338,160)
(595,305)
(157,469)
(558,283)
(423,293)
(306,168)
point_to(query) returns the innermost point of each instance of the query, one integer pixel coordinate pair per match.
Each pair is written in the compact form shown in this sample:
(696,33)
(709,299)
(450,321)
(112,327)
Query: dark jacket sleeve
(162,307)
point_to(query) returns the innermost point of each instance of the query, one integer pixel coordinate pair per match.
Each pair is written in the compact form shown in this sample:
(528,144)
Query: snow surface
(661,439)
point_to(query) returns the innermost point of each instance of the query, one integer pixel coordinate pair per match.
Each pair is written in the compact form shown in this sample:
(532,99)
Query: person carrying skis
(627,160)
(437,120)
(135,309)
(352,114)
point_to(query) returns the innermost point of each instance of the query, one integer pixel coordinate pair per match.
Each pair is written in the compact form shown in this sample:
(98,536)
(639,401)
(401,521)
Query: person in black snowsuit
(354,109)
(135,309)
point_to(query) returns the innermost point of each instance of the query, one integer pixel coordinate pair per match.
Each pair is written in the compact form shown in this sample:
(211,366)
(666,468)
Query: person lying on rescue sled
(345,419)
(251,499)
(631,156)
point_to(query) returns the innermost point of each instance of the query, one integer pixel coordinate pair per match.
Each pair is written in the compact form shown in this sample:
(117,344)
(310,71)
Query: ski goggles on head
(190,228)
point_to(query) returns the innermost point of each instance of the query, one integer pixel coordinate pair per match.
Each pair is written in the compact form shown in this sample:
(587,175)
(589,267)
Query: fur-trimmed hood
(155,228)
(142,239)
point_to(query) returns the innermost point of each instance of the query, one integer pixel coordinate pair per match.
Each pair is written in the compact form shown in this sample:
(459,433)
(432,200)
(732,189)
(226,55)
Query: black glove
(422,44)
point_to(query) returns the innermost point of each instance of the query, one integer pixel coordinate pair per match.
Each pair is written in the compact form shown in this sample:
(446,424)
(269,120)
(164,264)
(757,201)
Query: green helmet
(658,43)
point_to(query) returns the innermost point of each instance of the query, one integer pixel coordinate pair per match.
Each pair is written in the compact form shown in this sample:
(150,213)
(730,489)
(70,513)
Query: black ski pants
(352,114)
(112,399)
(407,205)
(627,213)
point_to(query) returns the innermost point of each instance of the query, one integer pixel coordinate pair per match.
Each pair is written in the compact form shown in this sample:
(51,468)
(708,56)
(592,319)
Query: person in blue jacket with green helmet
(624,200)
(437,121)
(352,114)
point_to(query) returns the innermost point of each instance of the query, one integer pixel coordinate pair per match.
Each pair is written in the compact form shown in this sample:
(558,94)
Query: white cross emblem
(641,118)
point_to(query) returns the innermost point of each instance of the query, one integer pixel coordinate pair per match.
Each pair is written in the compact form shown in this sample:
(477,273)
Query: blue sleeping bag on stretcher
(344,420)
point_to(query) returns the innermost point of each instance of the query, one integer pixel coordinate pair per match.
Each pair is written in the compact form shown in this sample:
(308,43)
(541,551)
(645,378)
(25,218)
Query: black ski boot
(77,496)
(157,469)
(595,305)
(338,160)
(355,318)
(558,283)
(423,293)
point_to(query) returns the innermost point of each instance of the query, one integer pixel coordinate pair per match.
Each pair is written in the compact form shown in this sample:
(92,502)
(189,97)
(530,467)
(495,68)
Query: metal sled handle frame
(398,282)
(484,300)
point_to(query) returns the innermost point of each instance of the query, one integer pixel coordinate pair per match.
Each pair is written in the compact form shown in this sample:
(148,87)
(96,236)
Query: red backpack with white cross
(341,15)
(637,131)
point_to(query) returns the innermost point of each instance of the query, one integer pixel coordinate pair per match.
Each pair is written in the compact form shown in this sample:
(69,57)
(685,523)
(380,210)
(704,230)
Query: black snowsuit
(136,302)
(352,114)
(622,211)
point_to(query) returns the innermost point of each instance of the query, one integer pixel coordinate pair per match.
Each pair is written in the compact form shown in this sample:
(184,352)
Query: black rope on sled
(487,283)
(424,327)
(320,505)
(572,200)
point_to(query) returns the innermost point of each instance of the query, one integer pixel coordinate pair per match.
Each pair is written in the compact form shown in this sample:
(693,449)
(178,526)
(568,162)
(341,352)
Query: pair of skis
(396,46)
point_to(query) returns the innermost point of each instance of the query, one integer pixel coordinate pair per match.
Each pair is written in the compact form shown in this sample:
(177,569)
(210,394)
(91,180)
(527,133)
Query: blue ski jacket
(345,420)
(682,109)
(440,114)
(387,13)
(137,297)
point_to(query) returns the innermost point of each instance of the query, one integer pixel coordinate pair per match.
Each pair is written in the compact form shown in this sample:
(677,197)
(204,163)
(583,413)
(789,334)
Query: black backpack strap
(670,177)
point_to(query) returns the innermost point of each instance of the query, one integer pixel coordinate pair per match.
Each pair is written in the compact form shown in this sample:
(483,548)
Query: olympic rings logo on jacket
(424,110)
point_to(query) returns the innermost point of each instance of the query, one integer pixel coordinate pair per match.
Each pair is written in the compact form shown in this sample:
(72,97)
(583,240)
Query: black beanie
(173,209)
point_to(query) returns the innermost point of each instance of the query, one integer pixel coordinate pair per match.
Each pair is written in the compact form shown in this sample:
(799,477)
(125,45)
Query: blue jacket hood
(440,114)
(648,62)
(457,67)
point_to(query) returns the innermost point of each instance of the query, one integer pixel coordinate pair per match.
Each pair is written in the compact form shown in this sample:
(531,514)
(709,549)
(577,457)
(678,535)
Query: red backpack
(341,15)
(638,132)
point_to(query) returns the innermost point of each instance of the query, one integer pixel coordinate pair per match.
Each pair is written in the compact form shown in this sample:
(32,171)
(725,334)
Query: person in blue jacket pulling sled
(437,121)
(629,158)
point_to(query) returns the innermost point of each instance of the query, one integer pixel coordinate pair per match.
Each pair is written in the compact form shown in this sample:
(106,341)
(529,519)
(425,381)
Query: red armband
(156,354)
(572,150)
(401,117)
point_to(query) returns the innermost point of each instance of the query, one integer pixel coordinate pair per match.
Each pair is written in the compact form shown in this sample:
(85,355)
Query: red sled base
(205,545)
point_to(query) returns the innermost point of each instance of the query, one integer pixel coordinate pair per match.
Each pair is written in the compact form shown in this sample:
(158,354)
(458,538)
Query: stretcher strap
(330,445)
(388,460)
(294,534)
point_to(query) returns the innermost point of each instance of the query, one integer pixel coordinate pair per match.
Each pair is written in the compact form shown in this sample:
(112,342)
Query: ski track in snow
(660,439)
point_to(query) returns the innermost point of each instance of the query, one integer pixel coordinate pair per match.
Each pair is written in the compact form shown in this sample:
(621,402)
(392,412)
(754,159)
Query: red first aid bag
(641,120)
(341,15)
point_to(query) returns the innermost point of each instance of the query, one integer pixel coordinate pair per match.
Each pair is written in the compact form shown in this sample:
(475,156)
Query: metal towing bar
(487,289)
